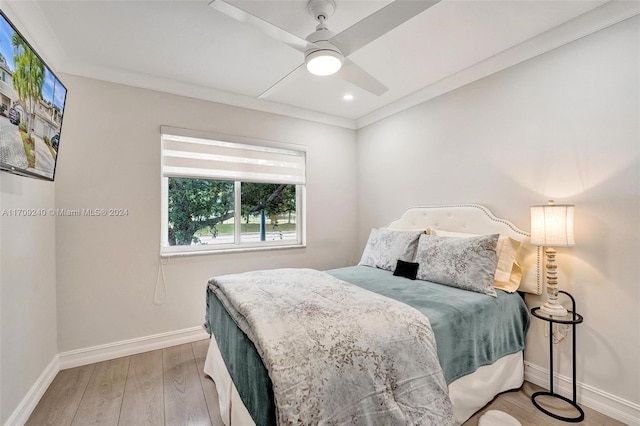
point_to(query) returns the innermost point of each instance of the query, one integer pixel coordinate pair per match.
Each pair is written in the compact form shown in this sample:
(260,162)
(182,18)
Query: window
(221,195)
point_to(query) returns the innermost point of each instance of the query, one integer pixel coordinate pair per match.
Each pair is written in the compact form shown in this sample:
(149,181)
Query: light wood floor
(518,404)
(168,387)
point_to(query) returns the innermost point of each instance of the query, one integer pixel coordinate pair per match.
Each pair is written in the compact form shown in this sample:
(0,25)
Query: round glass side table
(572,319)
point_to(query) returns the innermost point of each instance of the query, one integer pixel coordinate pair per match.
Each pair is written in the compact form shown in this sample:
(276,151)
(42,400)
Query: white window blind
(193,157)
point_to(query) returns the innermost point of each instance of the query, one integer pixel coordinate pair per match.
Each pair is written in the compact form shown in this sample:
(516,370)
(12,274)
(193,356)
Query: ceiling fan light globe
(323,62)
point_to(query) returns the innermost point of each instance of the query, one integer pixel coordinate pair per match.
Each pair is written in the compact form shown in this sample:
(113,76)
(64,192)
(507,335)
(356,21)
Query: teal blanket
(471,330)
(243,363)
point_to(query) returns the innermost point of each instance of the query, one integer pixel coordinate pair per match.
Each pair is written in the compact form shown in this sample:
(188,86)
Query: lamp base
(555,310)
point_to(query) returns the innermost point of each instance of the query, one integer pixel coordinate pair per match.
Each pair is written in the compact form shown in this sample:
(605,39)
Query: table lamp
(552,226)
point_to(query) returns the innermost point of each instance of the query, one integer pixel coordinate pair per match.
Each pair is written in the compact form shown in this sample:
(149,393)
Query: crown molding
(180,88)
(42,38)
(602,17)
(581,26)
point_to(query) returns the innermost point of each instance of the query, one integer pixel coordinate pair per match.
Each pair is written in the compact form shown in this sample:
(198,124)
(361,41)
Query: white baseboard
(99,353)
(21,414)
(138,345)
(606,403)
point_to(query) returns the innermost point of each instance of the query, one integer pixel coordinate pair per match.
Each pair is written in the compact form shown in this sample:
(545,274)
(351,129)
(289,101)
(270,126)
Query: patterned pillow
(466,263)
(386,246)
(508,271)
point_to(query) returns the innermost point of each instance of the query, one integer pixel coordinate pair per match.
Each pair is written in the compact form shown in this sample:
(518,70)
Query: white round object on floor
(497,418)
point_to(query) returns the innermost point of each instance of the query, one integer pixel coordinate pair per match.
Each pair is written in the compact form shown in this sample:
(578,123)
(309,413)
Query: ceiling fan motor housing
(321,10)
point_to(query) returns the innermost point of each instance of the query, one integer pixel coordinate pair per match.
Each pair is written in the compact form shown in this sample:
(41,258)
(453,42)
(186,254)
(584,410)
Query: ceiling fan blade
(379,23)
(356,75)
(282,82)
(268,28)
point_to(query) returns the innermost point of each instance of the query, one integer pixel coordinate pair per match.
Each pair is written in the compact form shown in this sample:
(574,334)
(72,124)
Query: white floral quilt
(338,354)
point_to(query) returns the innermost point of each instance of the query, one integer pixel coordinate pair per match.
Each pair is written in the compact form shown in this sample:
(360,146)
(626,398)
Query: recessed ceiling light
(348,97)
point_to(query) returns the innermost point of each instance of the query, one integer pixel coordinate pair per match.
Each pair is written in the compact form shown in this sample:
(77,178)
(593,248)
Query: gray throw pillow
(466,263)
(386,246)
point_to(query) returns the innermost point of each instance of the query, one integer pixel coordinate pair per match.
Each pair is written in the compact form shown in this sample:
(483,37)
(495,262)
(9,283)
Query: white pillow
(508,272)
(386,246)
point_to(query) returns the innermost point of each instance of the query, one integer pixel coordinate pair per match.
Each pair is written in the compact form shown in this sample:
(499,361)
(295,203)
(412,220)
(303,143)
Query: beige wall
(28,329)
(564,125)
(110,158)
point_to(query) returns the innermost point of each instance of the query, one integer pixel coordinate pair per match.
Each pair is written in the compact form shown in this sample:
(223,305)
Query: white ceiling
(188,48)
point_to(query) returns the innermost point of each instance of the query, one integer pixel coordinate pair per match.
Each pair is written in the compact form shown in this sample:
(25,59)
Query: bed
(474,372)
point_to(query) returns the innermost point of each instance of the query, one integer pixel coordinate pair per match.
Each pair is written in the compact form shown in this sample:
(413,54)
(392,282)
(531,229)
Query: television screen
(31,108)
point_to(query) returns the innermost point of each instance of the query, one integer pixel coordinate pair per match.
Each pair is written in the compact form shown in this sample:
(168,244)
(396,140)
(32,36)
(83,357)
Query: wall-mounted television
(32,102)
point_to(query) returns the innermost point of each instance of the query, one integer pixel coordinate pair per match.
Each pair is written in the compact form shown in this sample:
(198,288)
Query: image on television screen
(31,108)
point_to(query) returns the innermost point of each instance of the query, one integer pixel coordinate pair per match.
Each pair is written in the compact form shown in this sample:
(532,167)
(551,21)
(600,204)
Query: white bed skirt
(472,392)
(468,394)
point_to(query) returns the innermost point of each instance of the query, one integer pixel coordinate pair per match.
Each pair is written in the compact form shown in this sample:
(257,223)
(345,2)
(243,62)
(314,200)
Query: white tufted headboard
(476,219)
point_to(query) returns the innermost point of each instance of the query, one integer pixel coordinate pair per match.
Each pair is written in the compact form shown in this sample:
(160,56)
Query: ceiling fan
(326,53)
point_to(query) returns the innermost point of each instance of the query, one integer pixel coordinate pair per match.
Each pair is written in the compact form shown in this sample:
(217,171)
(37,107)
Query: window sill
(230,250)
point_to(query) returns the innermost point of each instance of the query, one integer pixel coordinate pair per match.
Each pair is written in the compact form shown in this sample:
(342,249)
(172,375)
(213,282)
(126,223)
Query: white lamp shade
(552,225)
(323,62)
